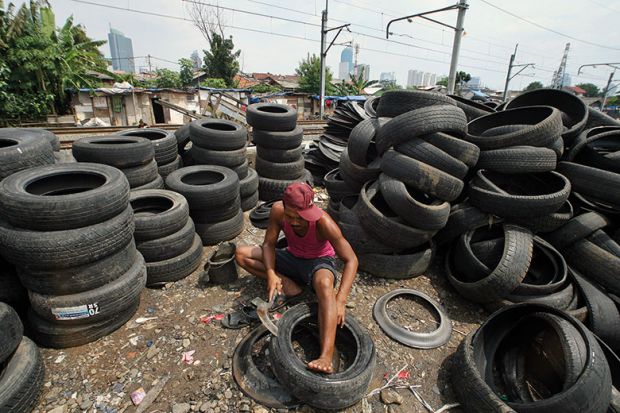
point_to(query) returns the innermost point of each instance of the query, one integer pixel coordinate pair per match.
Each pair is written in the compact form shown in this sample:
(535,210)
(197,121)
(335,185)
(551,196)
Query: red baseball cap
(299,196)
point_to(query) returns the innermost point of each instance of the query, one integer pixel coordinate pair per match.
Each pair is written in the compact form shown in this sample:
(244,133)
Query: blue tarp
(214,89)
(345,98)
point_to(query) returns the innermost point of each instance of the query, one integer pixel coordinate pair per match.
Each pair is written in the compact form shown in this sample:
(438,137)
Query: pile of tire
(396,179)
(165,235)
(25,148)
(222,142)
(21,365)
(68,229)
(278,140)
(534,358)
(212,193)
(166,153)
(133,155)
(12,291)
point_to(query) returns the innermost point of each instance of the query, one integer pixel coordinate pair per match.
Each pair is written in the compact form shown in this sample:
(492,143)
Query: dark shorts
(301,270)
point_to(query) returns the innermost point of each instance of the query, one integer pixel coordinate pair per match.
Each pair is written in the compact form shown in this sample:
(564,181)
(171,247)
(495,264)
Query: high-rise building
(346,63)
(196,61)
(121,50)
(474,83)
(433,79)
(387,77)
(362,68)
(415,78)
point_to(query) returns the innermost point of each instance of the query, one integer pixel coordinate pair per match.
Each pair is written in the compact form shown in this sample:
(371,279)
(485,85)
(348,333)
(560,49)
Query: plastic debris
(142,320)
(60,359)
(188,357)
(137,396)
(208,319)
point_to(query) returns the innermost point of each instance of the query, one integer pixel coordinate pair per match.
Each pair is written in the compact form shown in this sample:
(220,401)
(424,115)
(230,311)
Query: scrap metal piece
(262,309)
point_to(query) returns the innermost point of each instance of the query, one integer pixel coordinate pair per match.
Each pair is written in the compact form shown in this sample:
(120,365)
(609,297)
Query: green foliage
(309,72)
(265,88)
(167,78)
(611,101)
(220,61)
(358,84)
(214,82)
(390,85)
(442,82)
(186,75)
(39,61)
(591,89)
(342,89)
(533,86)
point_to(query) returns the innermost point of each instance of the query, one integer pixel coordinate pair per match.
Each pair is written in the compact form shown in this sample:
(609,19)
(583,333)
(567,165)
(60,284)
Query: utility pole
(606,91)
(611,77)
(510,66)
(148,58)
(456,44)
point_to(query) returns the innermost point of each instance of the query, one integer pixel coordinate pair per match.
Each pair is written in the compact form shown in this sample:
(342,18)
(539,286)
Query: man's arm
(269,248)
(331,232)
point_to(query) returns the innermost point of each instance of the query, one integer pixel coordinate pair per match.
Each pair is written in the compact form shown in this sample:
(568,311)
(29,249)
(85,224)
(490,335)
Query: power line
(540,26)
(604,6)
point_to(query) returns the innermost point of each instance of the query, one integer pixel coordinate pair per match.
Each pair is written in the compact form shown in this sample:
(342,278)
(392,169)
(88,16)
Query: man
(313,240)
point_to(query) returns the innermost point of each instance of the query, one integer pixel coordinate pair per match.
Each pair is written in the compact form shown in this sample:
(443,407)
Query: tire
(83,277)
(242,170)
(601,151)
(598,118)
(397,102)
(355,176)
(271,116)
(213,215)
(518,159)
(114,150)
(169,246)
(348,209)
(158,213)
(167,169)
(182,135)
(12,331)
(421,150)
(420,176)
(12,291)
(211,234)
(416,208)
(205,187)
(401,265)
(335,185)
(22,379)
(604,241)
(23,152)
(273,189)
(547,223)
(543,127)
(460,149)
(249,202)
(333,210)
(576,229)
(54,335)
(278,139)
(218,134)
(362,243)
(164,143)
(39,250)
(572,106)
(141,175)
(60,197)
(176,268)
(424,121)
(387,229)
(463,217)
(370,106)
(338,390)
(279,155)
(248,185)
(284,171)
(530,194)
(596,264)
(505,277)
(94,305)
(157,183)
(473,110)
(229,158)
(361,145)
(37,133)
(600,184)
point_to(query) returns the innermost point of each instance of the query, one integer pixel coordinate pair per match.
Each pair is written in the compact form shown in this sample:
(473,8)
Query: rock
(390,396)
(228,394)
(204,407)
(59,409)
(152,352)
(186,343)
(86,403)
(260,409)
(181,408)
(244,408)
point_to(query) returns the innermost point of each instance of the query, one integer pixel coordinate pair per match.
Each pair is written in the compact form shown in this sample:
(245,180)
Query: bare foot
(322,365)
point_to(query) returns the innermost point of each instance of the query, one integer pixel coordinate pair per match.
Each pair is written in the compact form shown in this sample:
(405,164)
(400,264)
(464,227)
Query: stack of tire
(68,229)
(22,149)
(133,155)
(222,142)
(11,290)
(21,365)
(165,147)
(278,140)
(165,235)
(212,193)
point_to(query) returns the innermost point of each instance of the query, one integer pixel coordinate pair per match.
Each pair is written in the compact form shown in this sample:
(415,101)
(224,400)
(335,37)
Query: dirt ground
(100,376)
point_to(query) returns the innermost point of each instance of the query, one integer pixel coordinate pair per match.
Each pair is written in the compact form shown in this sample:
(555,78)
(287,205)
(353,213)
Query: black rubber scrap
(518,159)
(396,102)
(578,228)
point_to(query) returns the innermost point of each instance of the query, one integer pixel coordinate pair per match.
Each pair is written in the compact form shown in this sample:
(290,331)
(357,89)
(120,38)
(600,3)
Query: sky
(284,32)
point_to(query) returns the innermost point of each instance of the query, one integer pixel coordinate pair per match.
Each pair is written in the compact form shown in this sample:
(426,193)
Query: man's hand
(274,285)
(341,309)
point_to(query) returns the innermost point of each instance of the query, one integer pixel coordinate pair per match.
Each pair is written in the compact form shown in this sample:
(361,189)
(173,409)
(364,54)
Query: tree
(186,75)
(442,82)
(264,88)
(215,83)
(461,79)
(389,85)
(220,61)
(309,72)
(358,84)
(196,60)
(533,86)
(167,78)
(591,89)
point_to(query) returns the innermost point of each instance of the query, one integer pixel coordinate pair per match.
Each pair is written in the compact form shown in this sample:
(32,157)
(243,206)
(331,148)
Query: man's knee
(241,253)
(323,281)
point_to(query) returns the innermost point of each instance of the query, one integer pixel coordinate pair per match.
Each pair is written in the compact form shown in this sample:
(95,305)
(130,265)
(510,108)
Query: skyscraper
(346,63)
(363,68)
(122,51)
(415,78)
(387,77)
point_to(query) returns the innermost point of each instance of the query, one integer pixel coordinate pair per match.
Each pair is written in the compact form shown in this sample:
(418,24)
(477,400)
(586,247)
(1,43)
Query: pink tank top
(308,246)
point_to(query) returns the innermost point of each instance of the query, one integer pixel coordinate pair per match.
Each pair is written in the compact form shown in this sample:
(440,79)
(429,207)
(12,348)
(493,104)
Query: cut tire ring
(434,339)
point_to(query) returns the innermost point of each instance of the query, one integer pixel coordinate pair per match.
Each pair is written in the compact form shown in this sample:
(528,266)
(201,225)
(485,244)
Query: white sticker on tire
(75,313)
